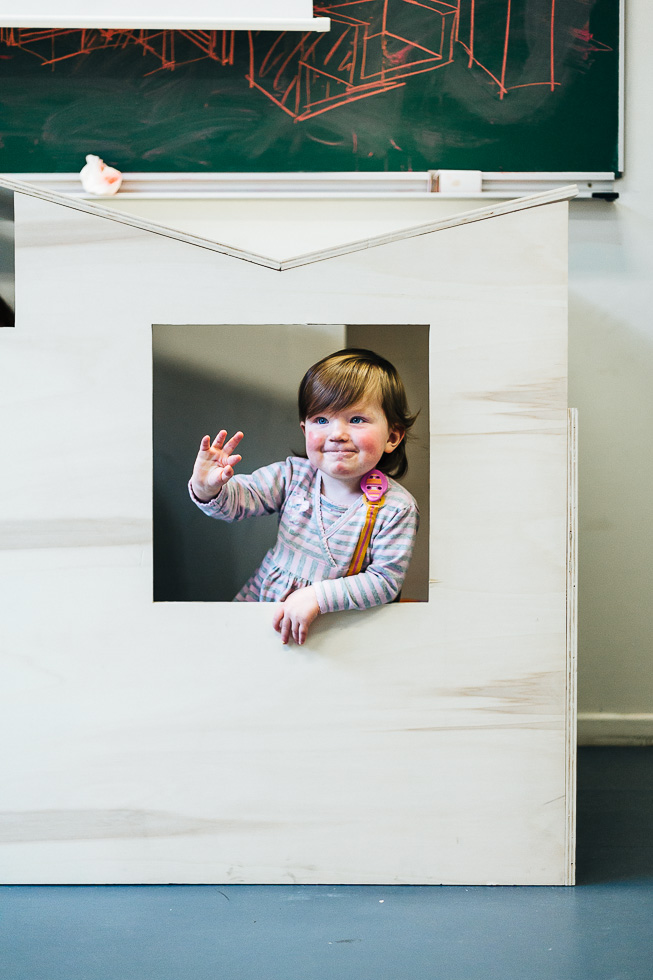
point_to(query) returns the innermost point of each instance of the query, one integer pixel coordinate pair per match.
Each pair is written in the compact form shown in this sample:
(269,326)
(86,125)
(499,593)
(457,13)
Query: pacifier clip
(374,485)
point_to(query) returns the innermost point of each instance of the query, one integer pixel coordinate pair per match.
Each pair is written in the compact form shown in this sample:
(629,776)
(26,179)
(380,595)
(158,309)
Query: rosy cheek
(368,442)
(313,440)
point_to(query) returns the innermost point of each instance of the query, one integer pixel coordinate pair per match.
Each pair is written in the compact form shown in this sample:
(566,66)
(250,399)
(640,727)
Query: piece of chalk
(98,178)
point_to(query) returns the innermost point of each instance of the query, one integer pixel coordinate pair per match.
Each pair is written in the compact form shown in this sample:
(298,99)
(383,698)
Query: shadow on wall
(197,559)
(7,266)
(611,365)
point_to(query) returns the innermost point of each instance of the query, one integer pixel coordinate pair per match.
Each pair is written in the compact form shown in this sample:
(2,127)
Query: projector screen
(206,14)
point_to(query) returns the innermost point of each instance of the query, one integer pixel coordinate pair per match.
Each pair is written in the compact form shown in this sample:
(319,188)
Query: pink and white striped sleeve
(262,492)
(390,552)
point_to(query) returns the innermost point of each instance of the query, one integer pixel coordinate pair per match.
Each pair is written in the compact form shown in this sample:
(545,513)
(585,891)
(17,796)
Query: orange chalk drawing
(488,37)
(213,45)
(367,51)
(374,46)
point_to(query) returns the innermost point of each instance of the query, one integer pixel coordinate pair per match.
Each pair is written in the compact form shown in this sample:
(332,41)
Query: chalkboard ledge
(494,185)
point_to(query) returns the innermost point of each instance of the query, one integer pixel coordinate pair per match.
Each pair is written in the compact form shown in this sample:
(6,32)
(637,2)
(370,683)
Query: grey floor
(602,929)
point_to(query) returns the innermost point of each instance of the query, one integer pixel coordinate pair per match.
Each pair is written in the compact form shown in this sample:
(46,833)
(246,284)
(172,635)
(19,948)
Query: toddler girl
(338,547)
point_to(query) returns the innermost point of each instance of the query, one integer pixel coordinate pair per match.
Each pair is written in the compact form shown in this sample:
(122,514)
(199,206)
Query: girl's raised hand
(214,464)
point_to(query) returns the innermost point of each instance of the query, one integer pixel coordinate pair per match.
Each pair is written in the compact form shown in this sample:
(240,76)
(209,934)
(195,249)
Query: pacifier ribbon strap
(356,564)
(374,485)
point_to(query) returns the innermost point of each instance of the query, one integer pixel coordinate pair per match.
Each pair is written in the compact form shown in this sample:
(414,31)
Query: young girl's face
(346,444)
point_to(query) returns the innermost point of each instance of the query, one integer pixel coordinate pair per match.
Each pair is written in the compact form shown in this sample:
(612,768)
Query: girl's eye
(357,418)
(321,420)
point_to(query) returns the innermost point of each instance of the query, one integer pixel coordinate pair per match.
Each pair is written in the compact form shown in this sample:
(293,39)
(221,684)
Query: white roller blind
(199,14)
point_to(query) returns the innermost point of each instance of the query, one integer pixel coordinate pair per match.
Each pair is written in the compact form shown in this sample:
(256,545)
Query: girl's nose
(338,429)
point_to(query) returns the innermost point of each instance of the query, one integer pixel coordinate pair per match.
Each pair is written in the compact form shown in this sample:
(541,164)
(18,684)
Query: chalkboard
(396,85)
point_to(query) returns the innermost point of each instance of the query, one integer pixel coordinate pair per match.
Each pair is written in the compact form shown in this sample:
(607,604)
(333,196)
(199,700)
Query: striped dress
(317,537)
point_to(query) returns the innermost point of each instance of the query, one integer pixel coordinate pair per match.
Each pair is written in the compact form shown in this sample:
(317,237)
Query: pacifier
(374,484)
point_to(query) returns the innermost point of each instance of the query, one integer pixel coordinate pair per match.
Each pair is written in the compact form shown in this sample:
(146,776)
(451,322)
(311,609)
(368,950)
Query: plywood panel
(157,742)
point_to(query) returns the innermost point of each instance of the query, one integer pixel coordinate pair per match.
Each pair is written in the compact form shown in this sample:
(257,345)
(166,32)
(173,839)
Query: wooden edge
(22,187)
(572,646)
(452,221)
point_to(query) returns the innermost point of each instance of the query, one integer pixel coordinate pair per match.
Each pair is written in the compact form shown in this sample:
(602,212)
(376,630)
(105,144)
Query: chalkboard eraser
(605,196)
(458,182)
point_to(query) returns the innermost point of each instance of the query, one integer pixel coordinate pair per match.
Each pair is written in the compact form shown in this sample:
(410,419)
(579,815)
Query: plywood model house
(177,740)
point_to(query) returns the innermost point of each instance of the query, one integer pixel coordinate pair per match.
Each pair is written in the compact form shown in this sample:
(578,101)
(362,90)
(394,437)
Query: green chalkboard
(493,85)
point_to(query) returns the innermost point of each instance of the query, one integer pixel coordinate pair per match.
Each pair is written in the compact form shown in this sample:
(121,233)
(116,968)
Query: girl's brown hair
(348,376)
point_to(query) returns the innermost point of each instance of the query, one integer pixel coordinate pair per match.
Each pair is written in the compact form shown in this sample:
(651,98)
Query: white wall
(611,382)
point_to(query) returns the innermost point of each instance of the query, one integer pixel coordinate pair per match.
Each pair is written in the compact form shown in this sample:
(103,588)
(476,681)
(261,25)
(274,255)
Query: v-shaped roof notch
(320,255)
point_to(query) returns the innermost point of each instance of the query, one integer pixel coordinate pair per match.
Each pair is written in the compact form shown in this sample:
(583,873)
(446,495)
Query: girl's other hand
(214,465)
(294,616)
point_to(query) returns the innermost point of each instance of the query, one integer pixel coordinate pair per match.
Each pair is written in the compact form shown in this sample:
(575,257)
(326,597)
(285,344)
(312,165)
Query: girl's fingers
(233,442)
(286,626)
(278,616)
(218,442)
